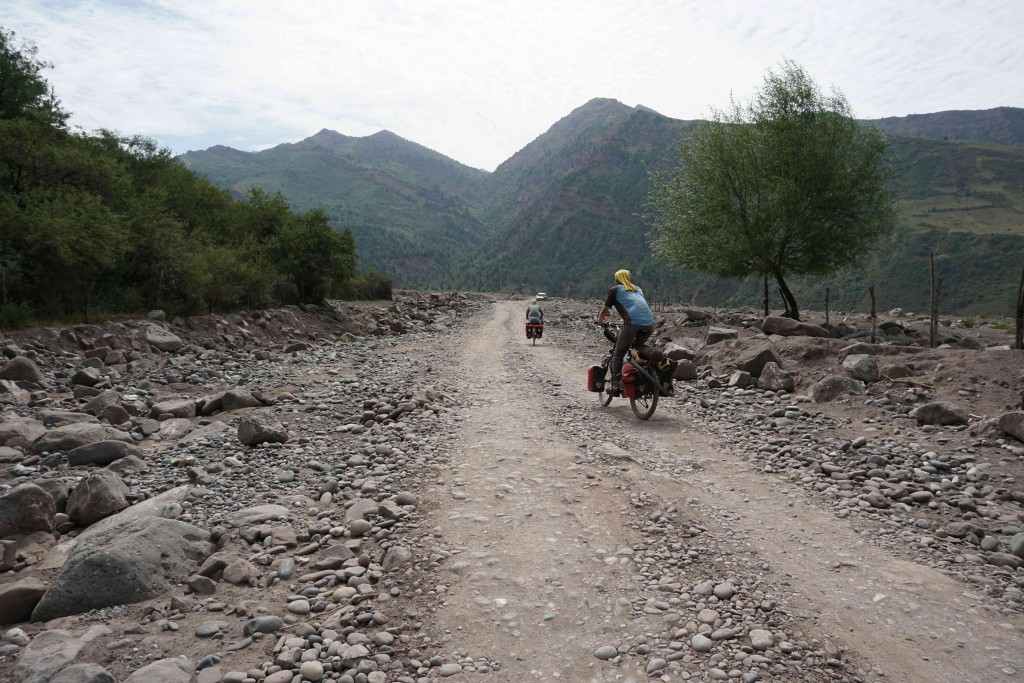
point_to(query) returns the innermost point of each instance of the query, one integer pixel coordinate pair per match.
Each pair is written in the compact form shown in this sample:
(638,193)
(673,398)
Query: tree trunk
(787,297)
(767,309)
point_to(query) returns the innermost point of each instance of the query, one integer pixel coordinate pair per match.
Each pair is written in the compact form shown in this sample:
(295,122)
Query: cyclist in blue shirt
(637,320)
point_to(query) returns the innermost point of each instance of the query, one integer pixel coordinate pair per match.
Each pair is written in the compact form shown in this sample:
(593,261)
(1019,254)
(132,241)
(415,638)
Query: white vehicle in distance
(541,296)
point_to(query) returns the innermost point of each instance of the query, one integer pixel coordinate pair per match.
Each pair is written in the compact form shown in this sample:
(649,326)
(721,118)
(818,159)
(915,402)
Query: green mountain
(565,211)
(571,203)
(414,211)
(1000,126)
(567,206)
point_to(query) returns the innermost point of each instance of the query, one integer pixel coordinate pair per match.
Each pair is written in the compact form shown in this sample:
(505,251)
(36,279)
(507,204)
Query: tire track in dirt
(537,578)
(909,621)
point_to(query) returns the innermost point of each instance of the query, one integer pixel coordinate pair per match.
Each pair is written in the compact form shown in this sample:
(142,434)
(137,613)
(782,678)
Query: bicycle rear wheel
(644,404)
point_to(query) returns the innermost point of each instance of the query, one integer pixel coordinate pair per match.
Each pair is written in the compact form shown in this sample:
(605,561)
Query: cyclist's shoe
(614,387)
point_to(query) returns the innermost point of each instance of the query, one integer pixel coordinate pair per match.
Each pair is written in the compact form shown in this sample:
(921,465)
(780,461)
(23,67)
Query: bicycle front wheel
(644,405)
(603,397)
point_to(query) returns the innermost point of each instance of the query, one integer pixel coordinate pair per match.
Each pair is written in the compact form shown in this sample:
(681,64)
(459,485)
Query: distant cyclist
(637,320)
(534,313)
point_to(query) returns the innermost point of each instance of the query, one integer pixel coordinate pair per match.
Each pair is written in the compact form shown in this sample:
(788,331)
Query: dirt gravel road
(591,546)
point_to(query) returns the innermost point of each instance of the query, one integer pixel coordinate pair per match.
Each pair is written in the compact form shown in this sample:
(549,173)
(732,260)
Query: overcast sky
(477,80)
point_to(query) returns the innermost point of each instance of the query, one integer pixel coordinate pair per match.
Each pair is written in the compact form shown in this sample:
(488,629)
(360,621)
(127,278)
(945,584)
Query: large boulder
(177,407)
(24,429)
(70,436)
(83,673)
(52,651)
(21,369)
(756,356)
(939,413)
(26,509)
(205,432)
(98,495)
(720,334)
(261,427)
(97,404)
(257,515)
(171,670)
(17,599)
(160,338)
(861,366)
(130,562)
(896,371)
(774,378)
(59,489)
(878,349)
(787,327)
(61,418)
(102,453)
(234,399)
(831,387)
(685,371)
(684,349)
(1013,424)
(175,428)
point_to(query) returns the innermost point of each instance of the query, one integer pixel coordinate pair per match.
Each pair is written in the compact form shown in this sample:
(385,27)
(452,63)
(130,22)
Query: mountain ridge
(568,206)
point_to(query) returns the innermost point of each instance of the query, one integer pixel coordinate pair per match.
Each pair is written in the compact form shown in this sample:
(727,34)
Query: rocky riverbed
(408,492)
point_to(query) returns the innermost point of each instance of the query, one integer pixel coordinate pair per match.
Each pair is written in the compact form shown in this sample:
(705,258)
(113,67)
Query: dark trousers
(626,335)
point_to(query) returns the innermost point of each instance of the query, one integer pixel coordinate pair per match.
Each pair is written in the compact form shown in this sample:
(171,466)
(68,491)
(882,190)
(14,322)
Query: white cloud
(479,80)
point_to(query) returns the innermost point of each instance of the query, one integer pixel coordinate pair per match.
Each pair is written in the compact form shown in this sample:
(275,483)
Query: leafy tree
(23,90)
(220,277)
(160,262)
(315,258)
(788,184)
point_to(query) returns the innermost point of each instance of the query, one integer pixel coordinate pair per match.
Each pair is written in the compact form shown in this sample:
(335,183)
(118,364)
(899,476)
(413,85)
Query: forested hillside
(104,223)
(414,212)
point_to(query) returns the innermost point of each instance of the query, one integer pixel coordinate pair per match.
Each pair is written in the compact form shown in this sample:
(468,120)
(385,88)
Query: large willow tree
(788,184)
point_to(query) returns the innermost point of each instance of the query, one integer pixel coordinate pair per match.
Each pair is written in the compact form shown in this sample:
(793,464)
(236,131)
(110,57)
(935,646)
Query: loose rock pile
(194,489)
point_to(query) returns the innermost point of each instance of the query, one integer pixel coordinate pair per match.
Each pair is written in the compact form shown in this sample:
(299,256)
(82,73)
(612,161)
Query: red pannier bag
(629,380)
(595,378)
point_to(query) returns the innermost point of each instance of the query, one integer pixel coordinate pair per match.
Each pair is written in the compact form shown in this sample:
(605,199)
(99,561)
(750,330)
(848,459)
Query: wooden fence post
(933,333)
(871,294)
(1020,316)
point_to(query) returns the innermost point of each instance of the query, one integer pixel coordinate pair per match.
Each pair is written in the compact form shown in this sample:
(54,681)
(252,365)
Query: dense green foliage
(788,184)
(102,221)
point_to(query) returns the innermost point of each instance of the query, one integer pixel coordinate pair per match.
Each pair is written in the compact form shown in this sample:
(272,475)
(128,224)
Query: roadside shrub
(369,285)
(16,315)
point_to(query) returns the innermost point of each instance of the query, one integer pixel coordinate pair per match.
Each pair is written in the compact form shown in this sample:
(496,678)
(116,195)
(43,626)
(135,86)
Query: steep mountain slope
(413,211)
(570,205)
(1000,126)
